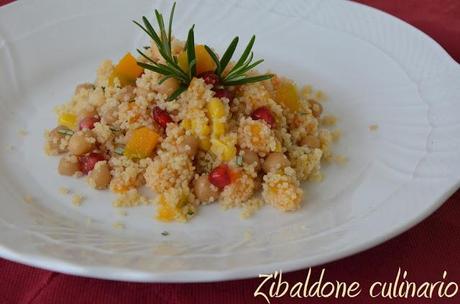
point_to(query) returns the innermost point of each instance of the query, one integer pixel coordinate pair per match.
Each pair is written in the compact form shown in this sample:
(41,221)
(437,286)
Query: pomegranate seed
(161,117)
(88,122)
(209,78)
(87,162)
(264,113)
(220,176)
(224,93)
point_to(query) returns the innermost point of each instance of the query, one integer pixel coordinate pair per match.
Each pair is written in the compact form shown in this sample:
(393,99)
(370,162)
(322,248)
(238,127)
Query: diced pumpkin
(223,148)
(68,120)
(205,144)
(127,71)
(165,212)
(287,96)
(204,62)
(141,143)
(168,211)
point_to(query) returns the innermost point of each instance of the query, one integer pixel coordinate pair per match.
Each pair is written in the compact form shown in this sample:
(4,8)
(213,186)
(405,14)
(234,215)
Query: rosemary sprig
(163,40)
(237,74)
(171,69)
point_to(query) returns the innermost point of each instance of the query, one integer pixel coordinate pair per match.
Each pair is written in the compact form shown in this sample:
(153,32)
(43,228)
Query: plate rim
(127,274)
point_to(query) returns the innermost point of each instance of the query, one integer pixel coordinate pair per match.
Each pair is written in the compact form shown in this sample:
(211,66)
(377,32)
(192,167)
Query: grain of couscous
(192,128)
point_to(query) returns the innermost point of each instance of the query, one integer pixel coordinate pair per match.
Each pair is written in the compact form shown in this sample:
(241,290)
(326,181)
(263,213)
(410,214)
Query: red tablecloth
(424,251)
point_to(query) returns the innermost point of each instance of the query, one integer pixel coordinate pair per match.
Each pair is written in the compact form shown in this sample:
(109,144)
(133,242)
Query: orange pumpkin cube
(287,96)
(141,143)
(127,70)
(204,62)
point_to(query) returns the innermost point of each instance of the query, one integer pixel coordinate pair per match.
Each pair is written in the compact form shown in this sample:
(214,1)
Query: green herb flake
(239,160)
(165,233)
(119,150)
(66,132)
(190,212)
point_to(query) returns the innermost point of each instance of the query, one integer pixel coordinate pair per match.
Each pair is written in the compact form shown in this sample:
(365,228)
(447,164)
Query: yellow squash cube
(216,111)
(216,108)
(223,148)
(68,120)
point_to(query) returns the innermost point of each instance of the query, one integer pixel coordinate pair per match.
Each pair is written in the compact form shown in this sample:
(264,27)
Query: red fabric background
(425,251)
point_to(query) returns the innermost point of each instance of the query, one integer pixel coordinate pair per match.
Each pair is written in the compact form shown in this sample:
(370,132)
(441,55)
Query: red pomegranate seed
(264,113)
(224,93)
(87,162)
(220,176)
(88,122)
(209,78)
(161,117)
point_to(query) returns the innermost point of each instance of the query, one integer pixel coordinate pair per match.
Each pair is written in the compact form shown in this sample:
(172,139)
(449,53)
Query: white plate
(375,69)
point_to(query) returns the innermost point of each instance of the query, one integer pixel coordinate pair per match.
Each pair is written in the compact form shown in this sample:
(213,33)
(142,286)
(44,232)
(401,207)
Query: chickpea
(54,140)
(189,145)
(100,175)
(315,107)
(204,190)
(68,165)
(275,161)
(168,86)
(251,157)
(81,143)
(84,86)
(311,142)
(109,116)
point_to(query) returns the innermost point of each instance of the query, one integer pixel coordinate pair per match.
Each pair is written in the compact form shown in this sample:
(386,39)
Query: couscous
(193,128)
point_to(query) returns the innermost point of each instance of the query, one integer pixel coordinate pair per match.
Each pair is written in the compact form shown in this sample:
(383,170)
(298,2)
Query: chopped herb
(103,89)
(190,212)
(146,47)
(65,132)
(303,113)
(115,129)
(119,150)
(165,233)
(239,160)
